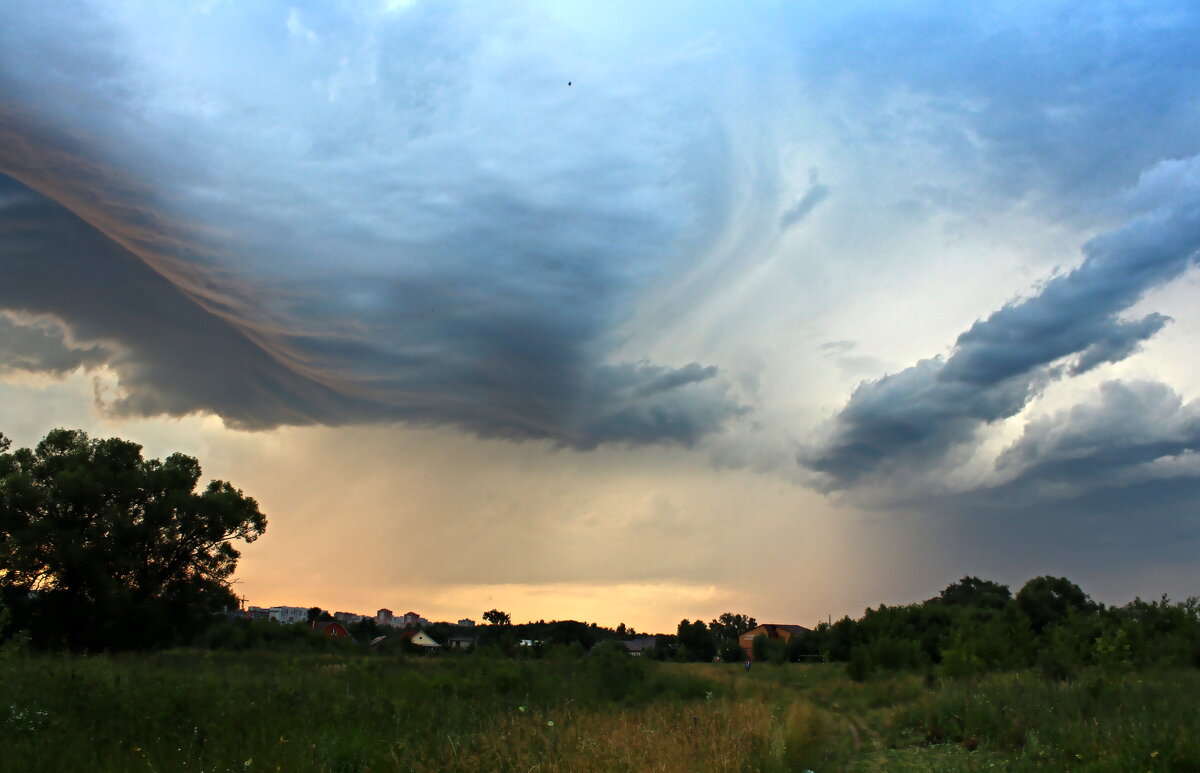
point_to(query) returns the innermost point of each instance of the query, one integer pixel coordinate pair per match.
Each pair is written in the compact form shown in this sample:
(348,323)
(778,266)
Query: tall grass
(212,711)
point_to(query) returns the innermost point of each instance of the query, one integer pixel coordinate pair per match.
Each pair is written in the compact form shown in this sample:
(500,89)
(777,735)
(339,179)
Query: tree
(696,642)
(1048,600)
(731,626)
(496,617)
(974,592)
(102,549)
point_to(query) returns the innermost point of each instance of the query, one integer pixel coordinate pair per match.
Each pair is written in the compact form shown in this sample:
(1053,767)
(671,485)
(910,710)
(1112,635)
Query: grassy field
(200,711)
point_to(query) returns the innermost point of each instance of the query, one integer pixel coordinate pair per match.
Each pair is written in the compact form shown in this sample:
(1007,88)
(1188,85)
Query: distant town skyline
(624,312)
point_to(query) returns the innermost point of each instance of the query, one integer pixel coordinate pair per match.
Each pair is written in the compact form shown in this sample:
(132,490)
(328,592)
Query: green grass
(206,711)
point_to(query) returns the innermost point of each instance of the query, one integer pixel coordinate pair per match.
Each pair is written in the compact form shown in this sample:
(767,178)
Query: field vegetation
(191,710)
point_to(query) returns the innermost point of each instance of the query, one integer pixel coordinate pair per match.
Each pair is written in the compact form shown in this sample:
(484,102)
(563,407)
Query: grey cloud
(837,348)
(1071,324)
(816,193)
(1135,430)
(480,362)
(1110,483)
(40,345)
(644,403)
(359,233)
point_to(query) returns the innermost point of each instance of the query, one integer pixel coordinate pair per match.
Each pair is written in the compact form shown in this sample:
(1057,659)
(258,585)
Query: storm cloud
(1072,324)
(410,221)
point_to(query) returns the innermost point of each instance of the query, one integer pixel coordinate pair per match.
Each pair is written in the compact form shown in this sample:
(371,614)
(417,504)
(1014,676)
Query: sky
(624,312)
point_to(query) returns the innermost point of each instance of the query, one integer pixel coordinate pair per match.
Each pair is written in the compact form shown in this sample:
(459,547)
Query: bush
(858,667)
(731,652)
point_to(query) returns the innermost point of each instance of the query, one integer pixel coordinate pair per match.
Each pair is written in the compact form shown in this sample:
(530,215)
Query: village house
(773,631)
(420,639)
(331,628)
(460,642)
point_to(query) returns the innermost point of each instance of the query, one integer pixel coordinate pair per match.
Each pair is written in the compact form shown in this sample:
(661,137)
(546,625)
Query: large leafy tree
(103,549)
(731,626)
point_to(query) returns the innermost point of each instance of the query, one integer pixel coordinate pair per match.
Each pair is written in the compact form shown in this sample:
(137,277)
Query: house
(331,628)
(460,642)
(636,647)
(419,638)
(773,631)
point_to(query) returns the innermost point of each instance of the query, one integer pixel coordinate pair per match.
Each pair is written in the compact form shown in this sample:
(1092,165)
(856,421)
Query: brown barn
(771,631)
(330,628)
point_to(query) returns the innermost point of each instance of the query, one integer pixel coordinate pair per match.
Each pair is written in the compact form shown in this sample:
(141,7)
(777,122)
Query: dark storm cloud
(368,230)
(1112,482)
(38,345)
(478,366)
(1072,324)
(173,357)
(1136,432)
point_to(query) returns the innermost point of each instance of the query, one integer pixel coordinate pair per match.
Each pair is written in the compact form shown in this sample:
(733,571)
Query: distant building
(385,617)
(288,615)
(331,628)
(466,622)
(636,647)
(771,631)
(259,613)
(413,620)
(460,642)
(348,617)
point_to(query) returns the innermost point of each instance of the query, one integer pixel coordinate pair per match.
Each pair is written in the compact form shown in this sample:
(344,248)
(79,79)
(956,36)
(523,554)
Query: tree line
(976,625)
(101,548)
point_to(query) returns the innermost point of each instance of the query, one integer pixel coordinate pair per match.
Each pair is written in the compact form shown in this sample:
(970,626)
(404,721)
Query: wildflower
(1154,753)
(550,723)
(520,708)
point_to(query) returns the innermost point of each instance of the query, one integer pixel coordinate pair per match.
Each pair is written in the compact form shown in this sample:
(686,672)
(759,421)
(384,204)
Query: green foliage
(696,642)
(974,592)
(731,626)
(1048,600)
(730,651)
(1112,653)
(105,549)
(974,627)
(240,635)
(859,667)
(760,647)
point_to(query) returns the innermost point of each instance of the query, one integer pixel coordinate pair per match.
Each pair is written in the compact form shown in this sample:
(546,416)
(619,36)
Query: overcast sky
(624,311)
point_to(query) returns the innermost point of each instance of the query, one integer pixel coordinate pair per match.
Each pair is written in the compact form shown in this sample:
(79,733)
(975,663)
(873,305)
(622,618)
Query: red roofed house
(330,628)
(771,631)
